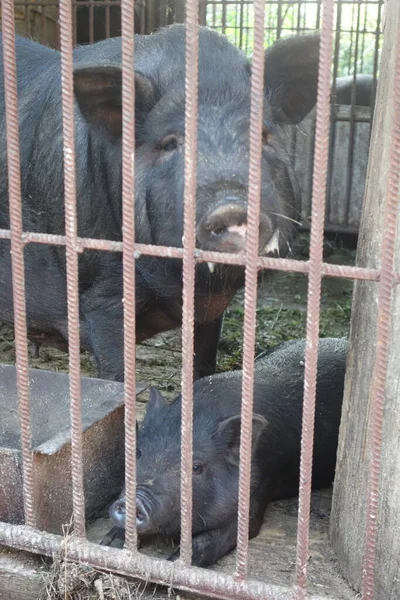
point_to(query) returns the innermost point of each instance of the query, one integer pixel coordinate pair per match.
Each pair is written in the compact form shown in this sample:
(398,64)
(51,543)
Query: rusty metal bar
(314,293)
(91,24)
(71,232)
(189,244)
(17,252)
(250,297)
(275,264)
(352,123)
(212,584)
(107,23)
(377,396)
(128,233)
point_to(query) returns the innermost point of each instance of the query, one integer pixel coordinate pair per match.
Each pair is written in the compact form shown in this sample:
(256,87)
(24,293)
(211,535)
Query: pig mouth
(224,229)
(144,511)
(270,249)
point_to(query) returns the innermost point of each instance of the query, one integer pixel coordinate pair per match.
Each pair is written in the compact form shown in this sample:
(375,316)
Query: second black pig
(277,420)
(364,86)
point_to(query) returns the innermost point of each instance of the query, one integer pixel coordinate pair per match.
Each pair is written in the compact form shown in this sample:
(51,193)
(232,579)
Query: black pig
(364,89)
(222,181)
(278,396)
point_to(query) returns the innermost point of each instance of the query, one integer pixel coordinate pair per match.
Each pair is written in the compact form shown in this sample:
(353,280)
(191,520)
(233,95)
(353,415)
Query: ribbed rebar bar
(189,239)
(71,233)
(250,296)
(17,251)
(314,293)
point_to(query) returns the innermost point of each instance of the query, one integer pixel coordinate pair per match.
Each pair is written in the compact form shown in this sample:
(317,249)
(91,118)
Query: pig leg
(114,538)
(206,338)
(104,335)
(106,340)
(210,546)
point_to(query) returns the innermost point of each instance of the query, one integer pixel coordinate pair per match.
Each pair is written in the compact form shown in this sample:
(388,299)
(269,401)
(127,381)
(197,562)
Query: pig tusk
(211,266)
(273,244)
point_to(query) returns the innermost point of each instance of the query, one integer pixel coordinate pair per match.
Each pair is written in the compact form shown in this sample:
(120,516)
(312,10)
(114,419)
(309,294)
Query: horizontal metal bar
(201,256)
(134,564)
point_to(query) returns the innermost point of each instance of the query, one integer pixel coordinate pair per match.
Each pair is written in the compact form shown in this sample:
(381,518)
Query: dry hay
(68,580)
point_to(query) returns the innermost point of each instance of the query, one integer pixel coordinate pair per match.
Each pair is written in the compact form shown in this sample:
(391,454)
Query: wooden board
(348,527)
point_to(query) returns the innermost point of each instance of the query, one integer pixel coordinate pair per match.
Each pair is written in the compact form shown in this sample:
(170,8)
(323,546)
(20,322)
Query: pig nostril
(118,512)
(120,508)
(218,230)
(141,512)
(140,515)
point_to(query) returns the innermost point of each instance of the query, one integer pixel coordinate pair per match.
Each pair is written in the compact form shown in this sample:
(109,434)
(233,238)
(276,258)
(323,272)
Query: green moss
(276,325)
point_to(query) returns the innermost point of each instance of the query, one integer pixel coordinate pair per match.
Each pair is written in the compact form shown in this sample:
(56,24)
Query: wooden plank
(299,143)
(340,174)
(21,575)
(359,171)
(303,162)
(348,524)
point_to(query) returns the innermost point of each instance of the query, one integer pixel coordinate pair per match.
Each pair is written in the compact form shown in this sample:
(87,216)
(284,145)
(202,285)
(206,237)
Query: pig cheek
(220,499)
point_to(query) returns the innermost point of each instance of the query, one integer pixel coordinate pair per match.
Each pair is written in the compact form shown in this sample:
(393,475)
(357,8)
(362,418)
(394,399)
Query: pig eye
(198,468)
(169,143)
(266,137)
(138,453)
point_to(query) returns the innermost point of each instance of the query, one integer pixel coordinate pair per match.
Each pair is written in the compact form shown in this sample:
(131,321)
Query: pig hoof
(114,538)
(174,556)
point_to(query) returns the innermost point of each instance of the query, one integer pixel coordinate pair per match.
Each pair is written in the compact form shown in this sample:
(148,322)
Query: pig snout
(118,512)
(143,512)
(225,228)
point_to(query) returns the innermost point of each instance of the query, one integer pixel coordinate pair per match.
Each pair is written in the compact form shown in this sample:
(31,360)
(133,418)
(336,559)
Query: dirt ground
(281,315)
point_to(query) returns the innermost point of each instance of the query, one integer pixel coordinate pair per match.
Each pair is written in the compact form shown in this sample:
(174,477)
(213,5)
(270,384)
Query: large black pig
(222,181)
(278,396)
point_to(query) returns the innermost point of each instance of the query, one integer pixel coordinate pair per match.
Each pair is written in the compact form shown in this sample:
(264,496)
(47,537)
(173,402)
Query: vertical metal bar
(377,397)
(203,12)
(108,8)
(142,28)
(352,127)
(241,24)
(298,19)
(376,56)
(75,24)
(91,24)
(27,14)
(247,28)
(150,15)
(43,23)
(17,252)
(71,232)
(319,13)
(314,293)
(250,298)
(364,33)
(334,121)
(279,23)
(189,219)
(128,230)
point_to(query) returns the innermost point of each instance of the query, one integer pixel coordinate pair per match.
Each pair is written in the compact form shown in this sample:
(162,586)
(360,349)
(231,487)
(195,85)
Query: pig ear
(156,400)
(229,435)
(291,77)
(98,91)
